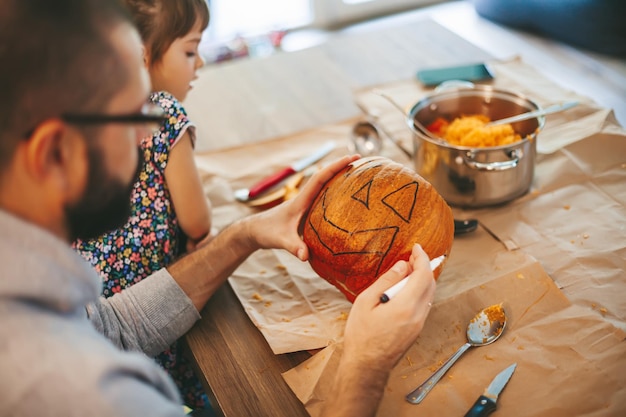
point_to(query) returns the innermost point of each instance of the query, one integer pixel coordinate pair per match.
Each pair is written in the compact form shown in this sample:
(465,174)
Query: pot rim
(474,91)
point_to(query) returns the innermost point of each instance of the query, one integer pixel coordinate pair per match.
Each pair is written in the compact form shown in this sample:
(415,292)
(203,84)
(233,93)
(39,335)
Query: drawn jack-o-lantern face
(368,217)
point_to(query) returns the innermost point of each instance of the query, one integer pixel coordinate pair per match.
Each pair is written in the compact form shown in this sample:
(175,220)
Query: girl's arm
(192,207)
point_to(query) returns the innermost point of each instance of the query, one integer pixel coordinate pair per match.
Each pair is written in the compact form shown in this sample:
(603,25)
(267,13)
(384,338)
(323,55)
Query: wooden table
(241,374)
(252,100)
(241,102)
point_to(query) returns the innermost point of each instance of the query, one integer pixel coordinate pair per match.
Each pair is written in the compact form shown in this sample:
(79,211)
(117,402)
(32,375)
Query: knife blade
(486,403)
(245,194)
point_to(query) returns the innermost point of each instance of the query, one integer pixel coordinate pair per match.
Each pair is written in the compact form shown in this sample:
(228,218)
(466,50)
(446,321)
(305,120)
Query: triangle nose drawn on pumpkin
(397,200)
(362,195)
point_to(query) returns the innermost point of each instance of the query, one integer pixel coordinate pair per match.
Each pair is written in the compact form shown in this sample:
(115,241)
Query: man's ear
(146,56)
(56,154)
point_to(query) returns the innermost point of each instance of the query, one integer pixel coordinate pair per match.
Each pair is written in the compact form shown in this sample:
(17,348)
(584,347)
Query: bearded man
(71,117)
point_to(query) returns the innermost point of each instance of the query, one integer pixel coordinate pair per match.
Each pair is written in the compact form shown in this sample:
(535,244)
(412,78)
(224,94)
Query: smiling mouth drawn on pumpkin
(374,243)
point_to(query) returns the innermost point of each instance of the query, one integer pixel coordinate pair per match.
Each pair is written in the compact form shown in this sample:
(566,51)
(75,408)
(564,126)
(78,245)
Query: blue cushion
(596,25)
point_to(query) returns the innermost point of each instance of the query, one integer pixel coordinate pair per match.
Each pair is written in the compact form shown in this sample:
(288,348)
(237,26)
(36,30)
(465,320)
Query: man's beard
(105,204)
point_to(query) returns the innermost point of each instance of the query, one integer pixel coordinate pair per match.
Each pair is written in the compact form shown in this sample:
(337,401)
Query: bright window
(251,17)
(327,13)
(231,18)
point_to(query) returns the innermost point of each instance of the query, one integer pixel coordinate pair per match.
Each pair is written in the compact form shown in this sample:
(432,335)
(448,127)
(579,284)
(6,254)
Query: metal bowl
(476,177)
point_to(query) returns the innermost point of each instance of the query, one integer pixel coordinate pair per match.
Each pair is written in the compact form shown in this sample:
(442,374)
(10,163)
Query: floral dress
(151,239)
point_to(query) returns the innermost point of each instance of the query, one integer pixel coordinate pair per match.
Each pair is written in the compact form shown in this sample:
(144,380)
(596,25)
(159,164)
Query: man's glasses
(151,117)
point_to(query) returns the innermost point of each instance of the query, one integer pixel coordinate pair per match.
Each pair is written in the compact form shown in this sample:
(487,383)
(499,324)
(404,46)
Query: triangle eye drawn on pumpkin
(362,195)
(397,200)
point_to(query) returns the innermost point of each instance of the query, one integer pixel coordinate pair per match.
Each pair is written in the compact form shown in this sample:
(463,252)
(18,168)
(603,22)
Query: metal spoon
(416,123)
(366,139)
(485,328)
(532,114)
(464,226)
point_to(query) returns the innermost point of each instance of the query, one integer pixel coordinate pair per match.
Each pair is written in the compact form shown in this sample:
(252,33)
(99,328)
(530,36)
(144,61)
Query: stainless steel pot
(475,177)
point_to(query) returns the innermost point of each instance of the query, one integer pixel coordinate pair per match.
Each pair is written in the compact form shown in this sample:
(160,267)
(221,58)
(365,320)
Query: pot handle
(515,156)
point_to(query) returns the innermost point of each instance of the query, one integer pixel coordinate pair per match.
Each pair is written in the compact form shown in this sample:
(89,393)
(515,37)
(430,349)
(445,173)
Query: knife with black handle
(486,403)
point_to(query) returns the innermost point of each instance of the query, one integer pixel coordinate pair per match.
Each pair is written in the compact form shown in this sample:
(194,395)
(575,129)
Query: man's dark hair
(55,57)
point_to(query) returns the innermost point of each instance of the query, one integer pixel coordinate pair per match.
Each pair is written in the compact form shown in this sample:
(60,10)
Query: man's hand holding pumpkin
(278,226)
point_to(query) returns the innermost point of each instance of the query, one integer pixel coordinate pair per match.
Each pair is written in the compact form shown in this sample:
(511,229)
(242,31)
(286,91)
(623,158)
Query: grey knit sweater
(66,351)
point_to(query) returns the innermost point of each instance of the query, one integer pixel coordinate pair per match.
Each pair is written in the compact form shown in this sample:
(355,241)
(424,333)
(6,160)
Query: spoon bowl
(485,328)
(462,227)
(367,139)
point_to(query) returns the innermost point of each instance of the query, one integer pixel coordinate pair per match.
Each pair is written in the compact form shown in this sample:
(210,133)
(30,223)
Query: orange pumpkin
(369,216)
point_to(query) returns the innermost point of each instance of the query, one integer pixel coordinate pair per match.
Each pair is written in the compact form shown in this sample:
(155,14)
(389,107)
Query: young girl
(170,213)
